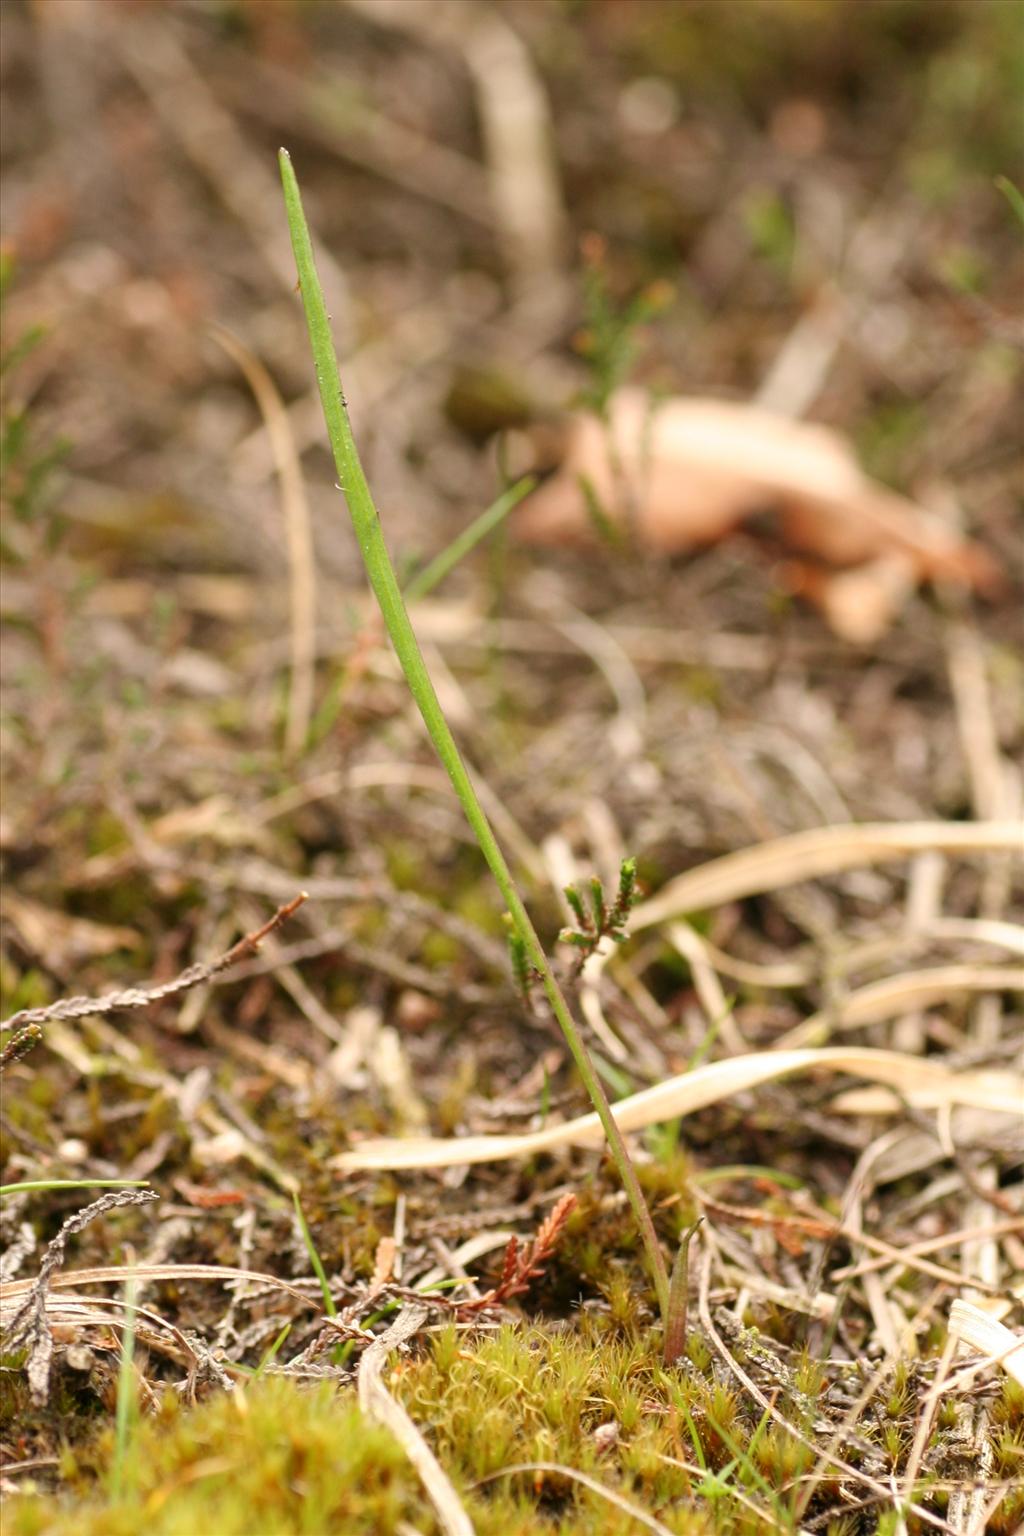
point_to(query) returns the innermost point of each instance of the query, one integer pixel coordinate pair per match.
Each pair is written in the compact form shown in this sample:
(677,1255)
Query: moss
(272,1459)
(407,869)
(438,950)
(525,1395)
(278,1457)
(1009,1517)
(1008,1409)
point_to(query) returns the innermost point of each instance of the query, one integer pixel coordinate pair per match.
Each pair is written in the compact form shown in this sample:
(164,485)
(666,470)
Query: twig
(523,1265)
(29,1322)
(141,997)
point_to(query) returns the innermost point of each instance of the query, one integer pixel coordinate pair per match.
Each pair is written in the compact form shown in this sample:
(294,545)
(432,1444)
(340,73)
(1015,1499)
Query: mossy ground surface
(530,1424)
(764,158)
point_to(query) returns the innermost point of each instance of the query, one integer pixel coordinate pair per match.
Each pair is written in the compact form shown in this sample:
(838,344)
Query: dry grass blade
(889,1255)
(973,1326)
(910,1256)
(106,1274)
(895,994)
(926,1084)
(299,533)
(820,851)
(377,1403)
(585,1481)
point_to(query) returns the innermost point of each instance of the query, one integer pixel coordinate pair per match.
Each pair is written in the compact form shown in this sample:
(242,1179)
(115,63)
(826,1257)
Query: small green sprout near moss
(1013,196)
(28,479)
(675,1325)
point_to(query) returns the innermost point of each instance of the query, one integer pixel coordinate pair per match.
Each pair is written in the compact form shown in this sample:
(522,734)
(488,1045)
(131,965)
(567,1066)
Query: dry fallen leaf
(972,1325)
(690,471)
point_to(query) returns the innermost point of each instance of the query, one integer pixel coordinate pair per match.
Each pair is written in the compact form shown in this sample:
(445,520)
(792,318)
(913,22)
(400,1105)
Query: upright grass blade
(379,569)
(426,580)
(126,1404)
(314,1258)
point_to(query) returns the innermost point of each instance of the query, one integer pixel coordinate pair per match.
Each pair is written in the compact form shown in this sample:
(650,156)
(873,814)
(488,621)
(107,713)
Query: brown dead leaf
(691,471)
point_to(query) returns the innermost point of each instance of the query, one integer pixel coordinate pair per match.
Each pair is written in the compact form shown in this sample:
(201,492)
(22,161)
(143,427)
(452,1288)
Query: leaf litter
(816,811)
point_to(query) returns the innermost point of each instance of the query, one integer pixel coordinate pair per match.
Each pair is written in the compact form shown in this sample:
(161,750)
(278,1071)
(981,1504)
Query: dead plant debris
(813,1028)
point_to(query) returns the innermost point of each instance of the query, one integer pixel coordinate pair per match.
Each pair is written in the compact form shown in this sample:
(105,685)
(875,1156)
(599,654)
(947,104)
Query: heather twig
(29,1322)
(597,920)
(141,997)
(521,1265)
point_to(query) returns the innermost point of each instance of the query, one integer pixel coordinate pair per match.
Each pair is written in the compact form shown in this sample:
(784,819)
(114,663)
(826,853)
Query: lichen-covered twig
(29,1322)
(140,997)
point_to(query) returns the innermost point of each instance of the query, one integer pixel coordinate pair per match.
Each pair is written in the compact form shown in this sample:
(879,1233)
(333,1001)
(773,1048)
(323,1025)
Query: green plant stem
(382,578)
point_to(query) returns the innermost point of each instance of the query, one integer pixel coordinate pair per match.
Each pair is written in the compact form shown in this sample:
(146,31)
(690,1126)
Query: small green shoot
(272,1353)
(382,579)
(126,1404)
(1013,196)
(678,1295)
(27,469)
(314,1259)
(33,1184)
(609,340)
(707,1040)
(422,584)
(435,572)
(607,530)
